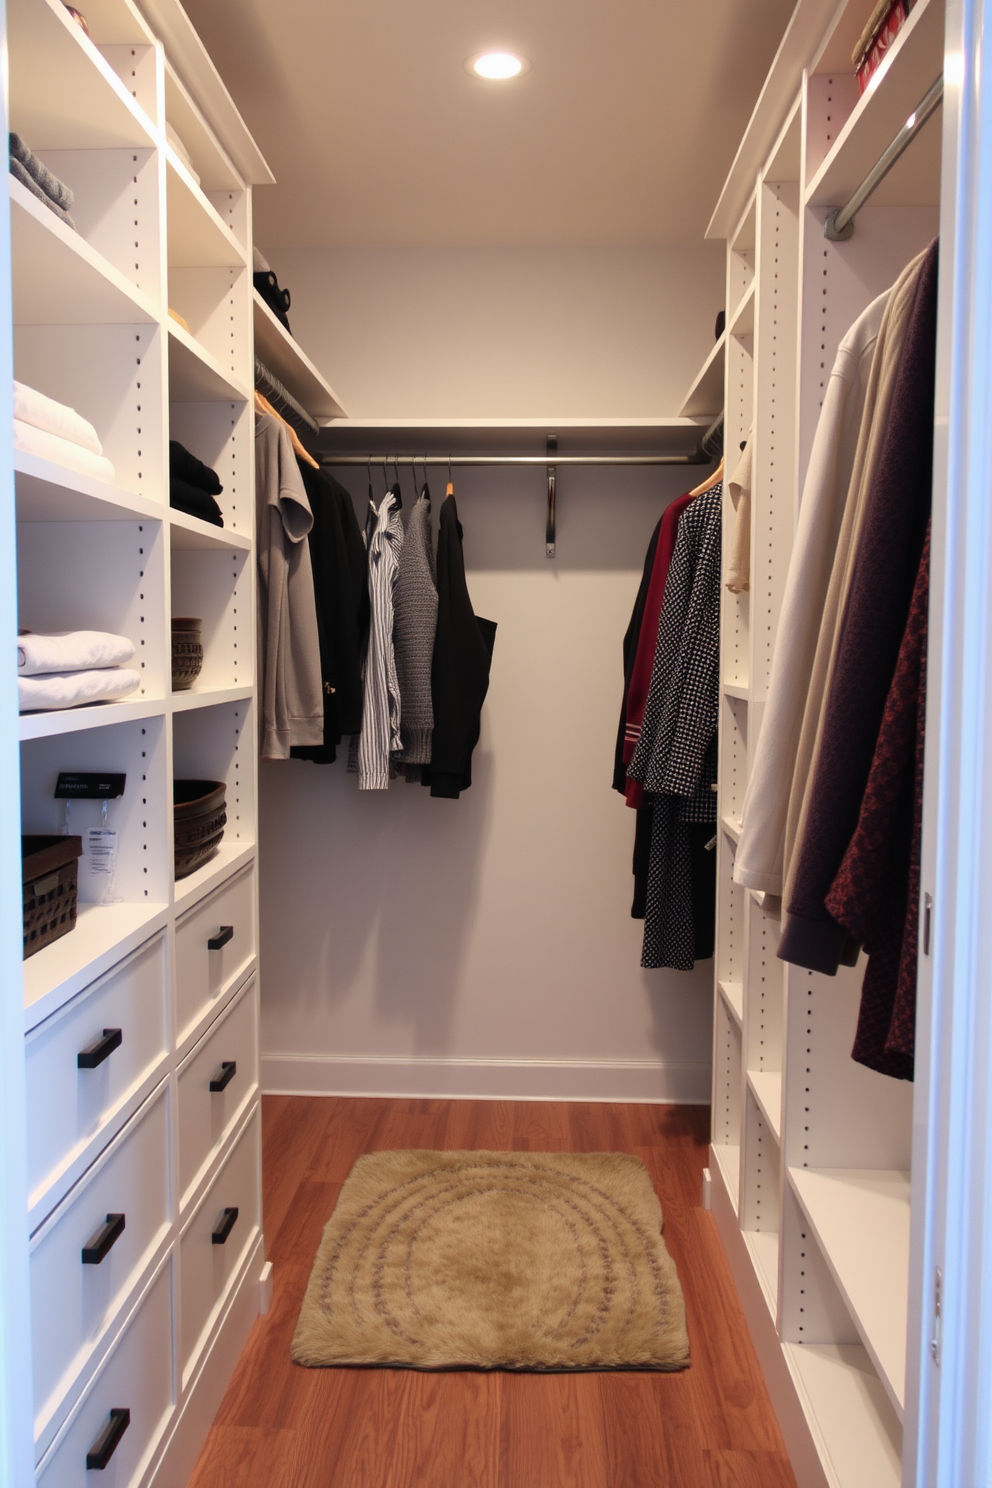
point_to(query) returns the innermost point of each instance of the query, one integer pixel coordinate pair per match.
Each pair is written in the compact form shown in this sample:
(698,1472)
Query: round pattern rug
(494,1260)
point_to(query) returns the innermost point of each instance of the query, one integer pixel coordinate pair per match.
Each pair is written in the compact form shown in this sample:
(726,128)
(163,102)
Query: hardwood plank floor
(280,1426)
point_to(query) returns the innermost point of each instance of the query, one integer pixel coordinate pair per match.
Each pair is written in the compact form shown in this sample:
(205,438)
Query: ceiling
(622,132)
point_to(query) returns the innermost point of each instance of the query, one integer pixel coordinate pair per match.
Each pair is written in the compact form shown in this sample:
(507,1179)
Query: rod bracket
(549,535)
(833,233)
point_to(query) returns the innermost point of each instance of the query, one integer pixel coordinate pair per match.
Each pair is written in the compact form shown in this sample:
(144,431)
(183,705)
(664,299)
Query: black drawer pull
(104,1240)
(218,941)
(228,1070)
(95,1054)
(220,1234)
(108,1441)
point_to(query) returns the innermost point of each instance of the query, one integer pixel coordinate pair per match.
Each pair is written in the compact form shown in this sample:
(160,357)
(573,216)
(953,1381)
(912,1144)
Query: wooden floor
(281,1426)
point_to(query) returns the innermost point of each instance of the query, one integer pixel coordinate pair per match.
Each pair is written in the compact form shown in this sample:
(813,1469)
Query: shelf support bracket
(549,535)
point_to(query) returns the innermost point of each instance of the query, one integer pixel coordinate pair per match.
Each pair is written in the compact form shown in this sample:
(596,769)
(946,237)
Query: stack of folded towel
(77,666)
(57,432)
(193,485)
(39,180)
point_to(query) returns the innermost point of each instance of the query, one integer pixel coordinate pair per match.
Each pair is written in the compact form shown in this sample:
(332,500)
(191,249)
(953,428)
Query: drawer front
(74,1111)
(73,1301)
(207,1117)
(202,974)
(207,1269)
(137,1377)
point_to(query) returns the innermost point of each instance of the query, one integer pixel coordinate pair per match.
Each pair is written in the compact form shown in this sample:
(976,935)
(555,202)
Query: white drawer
(207,1268)
(137,1377)
(202,974)
(73,1111)
(207,1117)
(72,1301)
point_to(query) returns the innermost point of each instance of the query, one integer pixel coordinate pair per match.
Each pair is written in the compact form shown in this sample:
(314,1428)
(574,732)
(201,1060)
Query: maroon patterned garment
(876,894)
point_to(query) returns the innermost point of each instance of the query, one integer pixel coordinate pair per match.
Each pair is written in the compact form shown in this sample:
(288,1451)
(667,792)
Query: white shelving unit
(163,1317)
(810,1160)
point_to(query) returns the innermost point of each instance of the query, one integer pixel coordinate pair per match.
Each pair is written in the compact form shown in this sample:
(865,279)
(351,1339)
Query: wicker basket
(200,816)
(187,652)
(49,870)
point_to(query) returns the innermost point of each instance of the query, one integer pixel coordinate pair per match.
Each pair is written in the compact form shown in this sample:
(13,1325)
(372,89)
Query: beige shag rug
(494,1260)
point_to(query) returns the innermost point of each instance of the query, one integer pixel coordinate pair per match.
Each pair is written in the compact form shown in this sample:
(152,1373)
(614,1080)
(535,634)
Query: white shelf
(705,397)
(286,360)
(58,279)
(861,1221)
(229,858)
(729,1160)
(89,716)
(853,1424)
(207,697)
(766,1087)
(914,61)
(198,236)
(742,320)
(737,690)
(732,826)
(195,374)
(104,935)
(210,161)
(763,1249)
(47,492)
(733,996)
(63,94)
(190,532)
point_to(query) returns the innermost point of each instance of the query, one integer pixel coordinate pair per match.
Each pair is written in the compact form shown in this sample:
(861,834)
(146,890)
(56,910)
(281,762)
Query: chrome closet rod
(275,387)
(839,225)
(696,458)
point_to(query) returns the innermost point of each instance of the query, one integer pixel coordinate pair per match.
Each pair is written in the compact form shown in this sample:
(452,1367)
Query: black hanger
(397,493)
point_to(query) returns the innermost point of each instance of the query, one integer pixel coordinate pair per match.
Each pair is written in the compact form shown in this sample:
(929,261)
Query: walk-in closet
(497,758)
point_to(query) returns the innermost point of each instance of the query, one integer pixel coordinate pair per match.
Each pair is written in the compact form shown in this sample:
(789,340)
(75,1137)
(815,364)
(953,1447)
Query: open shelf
(851,1417)
(276,348)
(188,532)
(729,1160)
(766,1087)
(47,492)
(206,697)
(733,995)
(59,279)
(732,827)
(196,375)
(914,61)
(209,160)
(740,691)
(229,858)
(63,93)
(89,716)
(104,935)
(705,398)
(198,237)
(742,320)
(762,1247)
(861,1221)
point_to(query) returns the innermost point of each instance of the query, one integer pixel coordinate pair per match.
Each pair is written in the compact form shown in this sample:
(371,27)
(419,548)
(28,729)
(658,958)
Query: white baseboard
(488,1079)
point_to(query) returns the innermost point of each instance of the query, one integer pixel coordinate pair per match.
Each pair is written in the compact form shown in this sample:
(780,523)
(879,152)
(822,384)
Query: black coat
(341,591)
(463,649)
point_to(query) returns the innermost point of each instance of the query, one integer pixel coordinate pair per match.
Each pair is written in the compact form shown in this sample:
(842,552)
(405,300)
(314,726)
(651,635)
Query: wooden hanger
(262,405)
(709,482)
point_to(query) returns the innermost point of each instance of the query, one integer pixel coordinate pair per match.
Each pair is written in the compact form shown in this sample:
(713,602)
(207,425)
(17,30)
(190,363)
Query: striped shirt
(381,709)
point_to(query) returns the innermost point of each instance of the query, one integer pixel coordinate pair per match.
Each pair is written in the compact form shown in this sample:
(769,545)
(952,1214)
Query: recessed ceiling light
(497,66)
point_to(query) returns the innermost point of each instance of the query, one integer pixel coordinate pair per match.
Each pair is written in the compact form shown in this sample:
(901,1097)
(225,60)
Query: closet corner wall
(152,1329)
(811,1153)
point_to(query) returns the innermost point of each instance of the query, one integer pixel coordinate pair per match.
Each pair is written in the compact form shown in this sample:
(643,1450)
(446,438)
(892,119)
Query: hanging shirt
(413,636)
(381,709)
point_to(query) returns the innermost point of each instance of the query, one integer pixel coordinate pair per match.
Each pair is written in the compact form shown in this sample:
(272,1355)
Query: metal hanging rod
(275,387)
(696,458)
(839,225)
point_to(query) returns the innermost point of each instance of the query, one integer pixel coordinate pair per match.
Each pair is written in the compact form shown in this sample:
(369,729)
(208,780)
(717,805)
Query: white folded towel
(32,407)
(35,441)
(71,651)
(69,689)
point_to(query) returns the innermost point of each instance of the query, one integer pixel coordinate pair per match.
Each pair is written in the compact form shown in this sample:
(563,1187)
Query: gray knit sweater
(415,621)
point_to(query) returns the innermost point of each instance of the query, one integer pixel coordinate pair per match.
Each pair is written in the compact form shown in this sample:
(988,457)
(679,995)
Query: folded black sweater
(187,468)
(194,502)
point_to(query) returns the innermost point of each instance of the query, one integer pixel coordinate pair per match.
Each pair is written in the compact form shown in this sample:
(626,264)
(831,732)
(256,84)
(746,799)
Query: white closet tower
(812,1153)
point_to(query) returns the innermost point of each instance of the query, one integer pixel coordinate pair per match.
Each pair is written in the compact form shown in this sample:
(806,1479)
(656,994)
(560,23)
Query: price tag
(101,848)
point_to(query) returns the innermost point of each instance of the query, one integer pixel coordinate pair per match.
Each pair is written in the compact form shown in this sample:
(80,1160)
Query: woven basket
(187,652)
(200,816)
(49,873)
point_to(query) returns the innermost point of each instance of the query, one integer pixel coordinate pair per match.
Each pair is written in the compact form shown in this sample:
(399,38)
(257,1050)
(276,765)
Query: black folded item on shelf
(278,300)
(194,502)
(187,468)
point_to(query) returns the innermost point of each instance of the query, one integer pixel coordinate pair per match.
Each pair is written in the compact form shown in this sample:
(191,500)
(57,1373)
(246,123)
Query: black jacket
(463,649)
(341,591)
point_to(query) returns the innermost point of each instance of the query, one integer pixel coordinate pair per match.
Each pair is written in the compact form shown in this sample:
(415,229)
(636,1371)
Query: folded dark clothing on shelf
(56,190)
(186,467)
(26,179)
(278,300)
(194,502)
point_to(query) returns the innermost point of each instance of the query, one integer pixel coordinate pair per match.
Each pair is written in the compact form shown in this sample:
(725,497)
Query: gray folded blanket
(17,169)
(50,184)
